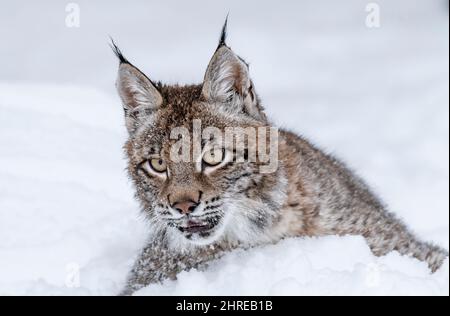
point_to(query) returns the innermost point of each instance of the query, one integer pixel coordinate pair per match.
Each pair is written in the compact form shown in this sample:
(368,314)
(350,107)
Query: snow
(377,98)
(312,266)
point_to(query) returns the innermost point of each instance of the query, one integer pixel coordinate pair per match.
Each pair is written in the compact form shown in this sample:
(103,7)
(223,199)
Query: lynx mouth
(196,227)
(202,229)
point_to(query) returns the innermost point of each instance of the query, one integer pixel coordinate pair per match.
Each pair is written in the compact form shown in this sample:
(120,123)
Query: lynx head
(216,193)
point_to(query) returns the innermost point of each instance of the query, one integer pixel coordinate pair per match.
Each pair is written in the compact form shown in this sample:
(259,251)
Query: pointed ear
(227,80)
(139,95)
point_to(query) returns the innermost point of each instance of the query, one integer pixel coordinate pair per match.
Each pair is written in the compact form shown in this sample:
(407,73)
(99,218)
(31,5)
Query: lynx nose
(185,207)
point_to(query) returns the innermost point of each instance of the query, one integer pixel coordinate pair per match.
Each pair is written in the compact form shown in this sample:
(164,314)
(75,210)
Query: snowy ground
(378,98)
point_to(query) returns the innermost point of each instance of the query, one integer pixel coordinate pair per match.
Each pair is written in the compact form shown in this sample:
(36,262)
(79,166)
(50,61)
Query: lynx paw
(436,257)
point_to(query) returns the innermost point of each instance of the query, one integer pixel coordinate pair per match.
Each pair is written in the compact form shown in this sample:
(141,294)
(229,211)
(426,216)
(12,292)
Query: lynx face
(218,192)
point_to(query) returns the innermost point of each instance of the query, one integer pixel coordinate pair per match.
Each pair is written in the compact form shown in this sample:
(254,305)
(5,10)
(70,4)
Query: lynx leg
(157,263)
(385,233)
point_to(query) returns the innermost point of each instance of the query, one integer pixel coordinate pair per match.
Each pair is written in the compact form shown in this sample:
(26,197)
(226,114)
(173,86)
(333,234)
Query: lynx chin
(218,199)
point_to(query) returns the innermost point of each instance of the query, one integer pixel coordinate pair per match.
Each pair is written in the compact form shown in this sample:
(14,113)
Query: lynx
(200,209)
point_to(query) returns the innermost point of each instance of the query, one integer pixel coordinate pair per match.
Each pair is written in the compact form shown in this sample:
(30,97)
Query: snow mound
(311,266)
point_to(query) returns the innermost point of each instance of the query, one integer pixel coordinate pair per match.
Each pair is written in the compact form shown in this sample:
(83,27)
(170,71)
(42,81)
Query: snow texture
(377,98)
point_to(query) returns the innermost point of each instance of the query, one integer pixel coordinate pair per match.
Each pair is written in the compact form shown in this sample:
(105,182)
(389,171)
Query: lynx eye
(158,165)
(213,157)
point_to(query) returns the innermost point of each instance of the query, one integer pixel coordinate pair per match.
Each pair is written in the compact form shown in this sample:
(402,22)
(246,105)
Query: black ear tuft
(223,36)
(118,53)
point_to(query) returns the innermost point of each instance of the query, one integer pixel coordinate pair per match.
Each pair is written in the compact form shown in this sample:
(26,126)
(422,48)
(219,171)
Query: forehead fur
(184,104)
(181,106)
(179,103)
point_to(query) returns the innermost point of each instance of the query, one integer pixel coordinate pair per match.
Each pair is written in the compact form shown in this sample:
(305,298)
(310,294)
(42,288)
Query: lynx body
(199,209)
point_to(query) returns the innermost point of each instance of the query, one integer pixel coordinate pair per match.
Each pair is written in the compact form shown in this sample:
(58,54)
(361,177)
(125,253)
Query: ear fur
(227,80)
(139,95)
